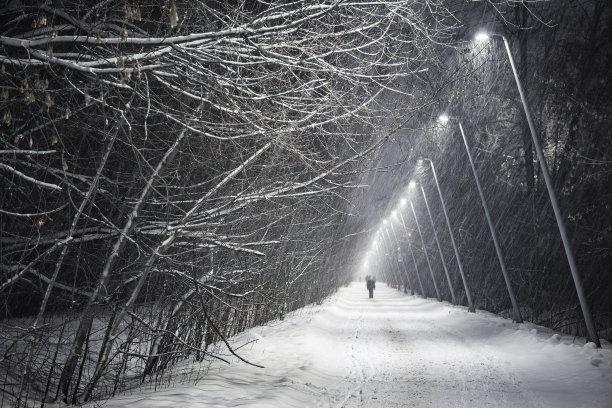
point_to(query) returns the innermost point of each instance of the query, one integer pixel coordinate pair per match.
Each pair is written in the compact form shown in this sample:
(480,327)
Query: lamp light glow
(412,184)
(443,119)
(481,36)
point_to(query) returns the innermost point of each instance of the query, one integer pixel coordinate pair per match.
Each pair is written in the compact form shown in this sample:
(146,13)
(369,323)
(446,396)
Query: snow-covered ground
(397,351)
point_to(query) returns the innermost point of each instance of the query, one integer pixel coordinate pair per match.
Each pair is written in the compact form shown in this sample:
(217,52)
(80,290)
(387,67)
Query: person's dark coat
(371,284)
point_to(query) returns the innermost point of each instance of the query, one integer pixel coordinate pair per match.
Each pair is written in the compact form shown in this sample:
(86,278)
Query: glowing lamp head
(443,119)
(385,221)
(394,213)
(403,201)
(481,36)
(412,184)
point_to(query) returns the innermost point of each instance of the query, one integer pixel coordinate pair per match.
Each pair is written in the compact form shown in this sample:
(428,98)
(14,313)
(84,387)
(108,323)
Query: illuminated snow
(398,351)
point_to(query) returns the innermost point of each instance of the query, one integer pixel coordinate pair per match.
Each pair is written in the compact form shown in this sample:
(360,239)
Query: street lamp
(416,220)
(394,214)
(404,263)
(394,257)
(381,243)
(413,184)
(452,237)
(391,249)
(517,314)
(483,36)
(380,259)
(416,268)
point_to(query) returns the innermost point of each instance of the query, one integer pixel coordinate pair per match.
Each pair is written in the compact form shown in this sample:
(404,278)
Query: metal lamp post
(403,263)
(416,268)
(517,314)
(452,237)
(376,259)
(386,249)
(433,227)
(392,258)
(433,278)
(405,267)
(380,245)
(396,258)
(553,197)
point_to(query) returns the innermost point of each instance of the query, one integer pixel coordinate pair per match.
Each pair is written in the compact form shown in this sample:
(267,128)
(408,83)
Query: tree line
(174,172)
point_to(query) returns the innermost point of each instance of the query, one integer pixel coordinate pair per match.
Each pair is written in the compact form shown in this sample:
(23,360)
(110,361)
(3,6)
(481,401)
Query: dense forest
(174,172)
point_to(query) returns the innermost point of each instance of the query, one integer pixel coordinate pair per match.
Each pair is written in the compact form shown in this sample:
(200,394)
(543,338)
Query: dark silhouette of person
(371,285)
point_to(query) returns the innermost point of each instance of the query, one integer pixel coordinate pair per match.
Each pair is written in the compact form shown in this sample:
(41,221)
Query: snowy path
(398,351)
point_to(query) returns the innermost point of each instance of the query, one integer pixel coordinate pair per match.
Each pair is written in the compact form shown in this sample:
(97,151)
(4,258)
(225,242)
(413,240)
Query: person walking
(371,285)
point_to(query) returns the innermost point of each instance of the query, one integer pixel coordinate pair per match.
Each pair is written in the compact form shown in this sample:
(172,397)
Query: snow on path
(398,351)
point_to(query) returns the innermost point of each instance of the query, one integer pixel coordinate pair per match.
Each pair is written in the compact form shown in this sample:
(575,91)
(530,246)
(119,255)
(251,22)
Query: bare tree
(173,173)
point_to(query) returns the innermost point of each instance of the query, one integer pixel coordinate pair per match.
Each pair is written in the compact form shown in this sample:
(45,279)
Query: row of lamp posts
(387,239)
